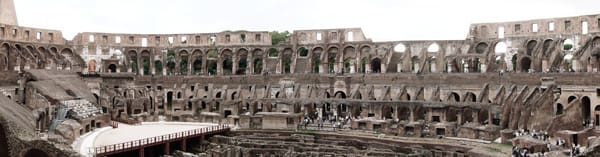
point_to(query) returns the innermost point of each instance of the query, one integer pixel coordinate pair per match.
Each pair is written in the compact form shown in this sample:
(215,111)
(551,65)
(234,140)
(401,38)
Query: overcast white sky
(381,20)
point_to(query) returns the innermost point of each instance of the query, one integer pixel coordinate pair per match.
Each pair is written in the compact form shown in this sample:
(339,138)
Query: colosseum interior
(321,92)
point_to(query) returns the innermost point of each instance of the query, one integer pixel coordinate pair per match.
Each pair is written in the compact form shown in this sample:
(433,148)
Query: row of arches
(18,57)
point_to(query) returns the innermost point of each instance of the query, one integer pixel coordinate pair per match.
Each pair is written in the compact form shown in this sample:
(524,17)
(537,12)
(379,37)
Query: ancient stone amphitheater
(393,98)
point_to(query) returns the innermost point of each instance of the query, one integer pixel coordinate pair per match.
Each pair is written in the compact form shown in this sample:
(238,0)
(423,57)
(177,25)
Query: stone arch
(349,59)
(559,109)
(227,64)
(481,48)
(586,109)
(470,97)
(531,45)
(340,95)
(302,52)
(332,58)
(376,65)
(453,97)
(547,45)
(4,57)
(501,48)
(145,58)
(112,68)
(525,64)
(434,47)
(571,98)
(242,64)
(183,61)
(287,61)
(400,48)
(69,56)
(316,59)
(257,62)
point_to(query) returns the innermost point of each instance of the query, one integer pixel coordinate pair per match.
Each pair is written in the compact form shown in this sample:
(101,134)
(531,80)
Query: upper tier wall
(243,38)
(576,25)
(32,35)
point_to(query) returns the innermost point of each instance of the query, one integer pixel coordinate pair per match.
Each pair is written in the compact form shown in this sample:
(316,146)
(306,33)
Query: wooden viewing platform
(139,145)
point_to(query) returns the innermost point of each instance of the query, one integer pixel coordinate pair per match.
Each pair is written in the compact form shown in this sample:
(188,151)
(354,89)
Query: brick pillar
(184,145)
(167,148)
(141,153)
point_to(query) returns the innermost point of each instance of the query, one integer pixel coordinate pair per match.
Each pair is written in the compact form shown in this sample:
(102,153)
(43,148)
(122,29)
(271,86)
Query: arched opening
(179,95)
(133,64)
(570,99)
(470,97)
(481,48)
(112,68)
(258,65)
(169,100)
(316,60)
(433,48)
(525,64)
(287,61)
(197,66)
(242,62)
(170,67)
(514,62)
(559,109)
(158,67)
(586,109)
(227,64)
(332,59)
(531,45)
(340,95)
(400,48)
(454,97)
(218,95)
(568,45)
(183,62)
(233,95)
(92,66)
(303,52)
(546,46)
(35,153)
(211,67)
(376,65)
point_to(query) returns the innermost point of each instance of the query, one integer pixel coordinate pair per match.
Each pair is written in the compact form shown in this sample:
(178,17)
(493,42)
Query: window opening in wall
(597,91)
(183,40)
(38,35)
(144,42)
(501,32)
(584,27)
(334,36)
(131,39)
(206,88)
(92,38)
(350,36)
(27,35)
(567,25)
(197,39)
(551,26)
(534,27)
(117,39)
(157,40)
(104,38)
(192,88)
(51,35)
(159,87)
(435,118)
(319,37)
(227,38)
(518,28)
(213,39)
(2,31)
(14,32)
(170,39)
(257,37)
(243,38)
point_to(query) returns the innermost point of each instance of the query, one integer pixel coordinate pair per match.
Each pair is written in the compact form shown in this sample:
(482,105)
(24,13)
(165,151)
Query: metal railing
(158,139)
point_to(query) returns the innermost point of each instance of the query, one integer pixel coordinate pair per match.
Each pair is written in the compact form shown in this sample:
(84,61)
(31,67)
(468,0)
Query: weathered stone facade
(535,75)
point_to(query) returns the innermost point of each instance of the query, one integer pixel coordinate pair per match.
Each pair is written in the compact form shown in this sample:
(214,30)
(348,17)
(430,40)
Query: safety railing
(158,139)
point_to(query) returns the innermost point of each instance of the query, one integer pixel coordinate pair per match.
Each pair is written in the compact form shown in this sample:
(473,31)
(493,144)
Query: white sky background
(381,20)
